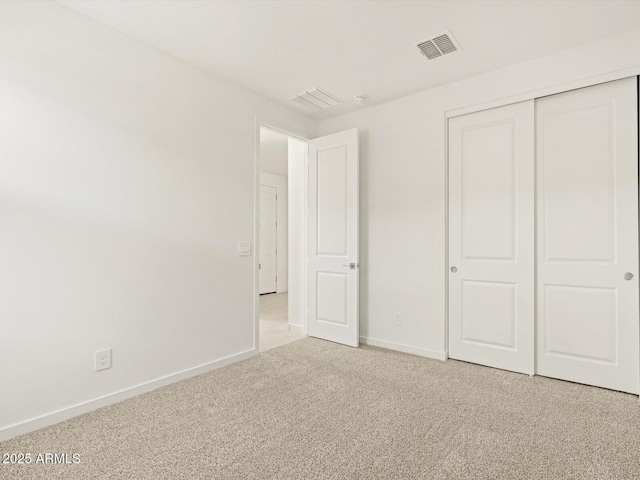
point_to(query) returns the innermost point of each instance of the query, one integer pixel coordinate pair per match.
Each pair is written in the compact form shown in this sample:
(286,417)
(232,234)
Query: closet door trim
(544,92)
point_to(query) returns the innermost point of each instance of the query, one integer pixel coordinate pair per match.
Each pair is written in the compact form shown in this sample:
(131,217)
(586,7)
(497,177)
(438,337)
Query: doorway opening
(318,249)
(281,251)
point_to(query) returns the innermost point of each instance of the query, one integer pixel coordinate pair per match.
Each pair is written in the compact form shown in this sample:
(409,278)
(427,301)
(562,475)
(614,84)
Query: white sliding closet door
(491,235)
(587,235)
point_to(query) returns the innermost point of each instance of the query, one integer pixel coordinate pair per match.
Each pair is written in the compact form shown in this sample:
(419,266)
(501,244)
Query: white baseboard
(295,327)
(63,414)
(423,352)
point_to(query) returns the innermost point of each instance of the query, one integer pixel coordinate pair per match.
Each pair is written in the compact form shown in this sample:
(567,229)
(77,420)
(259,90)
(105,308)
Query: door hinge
(259,266)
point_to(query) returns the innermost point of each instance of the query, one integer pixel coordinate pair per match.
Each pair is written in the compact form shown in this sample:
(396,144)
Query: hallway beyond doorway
(274,329)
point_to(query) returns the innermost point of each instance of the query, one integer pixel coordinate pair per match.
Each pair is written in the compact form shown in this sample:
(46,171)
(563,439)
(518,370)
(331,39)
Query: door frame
(264,122)
(531,95)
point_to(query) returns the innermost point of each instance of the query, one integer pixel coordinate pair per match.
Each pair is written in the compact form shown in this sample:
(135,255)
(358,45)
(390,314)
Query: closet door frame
(532,95)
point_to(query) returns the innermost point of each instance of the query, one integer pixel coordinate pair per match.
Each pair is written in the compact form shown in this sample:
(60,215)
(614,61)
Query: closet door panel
(491,237)
(587,236)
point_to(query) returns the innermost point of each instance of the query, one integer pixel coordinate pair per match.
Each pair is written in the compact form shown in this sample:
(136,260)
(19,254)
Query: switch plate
(103,360)
(397,318)
(244,249)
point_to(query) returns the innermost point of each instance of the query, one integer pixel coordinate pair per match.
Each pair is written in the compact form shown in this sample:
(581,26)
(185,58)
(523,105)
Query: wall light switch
(244,249)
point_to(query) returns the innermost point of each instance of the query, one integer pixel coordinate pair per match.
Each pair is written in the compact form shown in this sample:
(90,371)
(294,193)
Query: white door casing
(587,235)
(491,237)
(333,217)
(268,239)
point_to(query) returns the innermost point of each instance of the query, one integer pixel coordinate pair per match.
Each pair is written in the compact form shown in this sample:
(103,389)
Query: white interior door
(268,239)
(587,236)
(491,237)
(333,238)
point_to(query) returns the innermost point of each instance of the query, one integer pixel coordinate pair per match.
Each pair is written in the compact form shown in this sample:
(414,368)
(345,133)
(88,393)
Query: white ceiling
(280,48)
(274,152)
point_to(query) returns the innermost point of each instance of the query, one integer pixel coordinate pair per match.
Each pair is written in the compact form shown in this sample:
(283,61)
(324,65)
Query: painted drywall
(354,47)
(402,158)
(282,233)
(297,153)
(273,152)
(126,181)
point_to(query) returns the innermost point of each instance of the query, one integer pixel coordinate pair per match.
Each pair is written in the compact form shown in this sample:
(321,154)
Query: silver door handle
(628,276)
(454,269)
(351,265)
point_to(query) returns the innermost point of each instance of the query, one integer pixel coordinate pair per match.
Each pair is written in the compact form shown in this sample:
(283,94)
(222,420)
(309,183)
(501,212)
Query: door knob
(628,276)
(454,269)
(351,265)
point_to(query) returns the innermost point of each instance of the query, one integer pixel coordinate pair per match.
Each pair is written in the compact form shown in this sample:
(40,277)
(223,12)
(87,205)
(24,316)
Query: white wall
(282,233)
(297,224)
(402,161)
(126,181)
(273,152)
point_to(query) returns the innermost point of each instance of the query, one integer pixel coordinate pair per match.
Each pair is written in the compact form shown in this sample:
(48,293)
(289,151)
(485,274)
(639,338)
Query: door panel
(268,239)
(587,235)
(333,238)
(578,183)
(491,237)
(489,313)
(332,298)
(488,193)
(332,200)
(589,314)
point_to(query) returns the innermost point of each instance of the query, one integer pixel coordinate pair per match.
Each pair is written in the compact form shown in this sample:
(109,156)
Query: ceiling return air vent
(438,46)
(317,99)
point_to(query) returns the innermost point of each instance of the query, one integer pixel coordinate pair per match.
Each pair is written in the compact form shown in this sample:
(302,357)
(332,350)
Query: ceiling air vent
(317,99)
(438,46)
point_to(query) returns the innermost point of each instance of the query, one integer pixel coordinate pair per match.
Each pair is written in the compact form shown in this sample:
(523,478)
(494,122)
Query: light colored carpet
(317,410)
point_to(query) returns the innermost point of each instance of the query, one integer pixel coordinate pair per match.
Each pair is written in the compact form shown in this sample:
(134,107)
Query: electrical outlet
(103,360)
(397,318)
(244,249)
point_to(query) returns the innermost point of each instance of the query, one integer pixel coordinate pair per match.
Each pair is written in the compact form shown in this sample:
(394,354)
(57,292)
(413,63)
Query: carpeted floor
(314,409)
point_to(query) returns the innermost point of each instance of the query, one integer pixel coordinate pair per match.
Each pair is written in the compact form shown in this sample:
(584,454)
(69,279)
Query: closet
(543,236)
